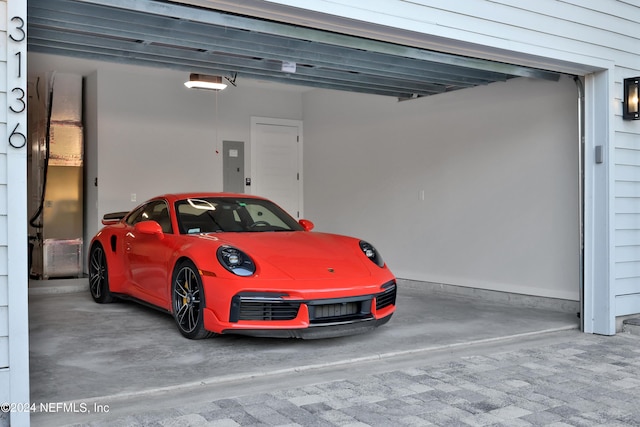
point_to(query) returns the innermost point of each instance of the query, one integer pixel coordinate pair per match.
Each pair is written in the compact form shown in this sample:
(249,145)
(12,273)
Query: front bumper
(316,332)
(268,314)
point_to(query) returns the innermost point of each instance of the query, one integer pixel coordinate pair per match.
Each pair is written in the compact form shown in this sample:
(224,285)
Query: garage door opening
(474,188)
(474,192)
(488,128)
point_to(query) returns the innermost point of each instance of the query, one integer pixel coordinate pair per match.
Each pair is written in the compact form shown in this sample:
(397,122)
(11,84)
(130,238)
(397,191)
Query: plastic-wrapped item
(67,98)
(65,147)
(58,258)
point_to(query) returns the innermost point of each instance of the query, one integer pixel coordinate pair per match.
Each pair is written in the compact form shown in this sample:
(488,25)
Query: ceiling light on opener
(203,81)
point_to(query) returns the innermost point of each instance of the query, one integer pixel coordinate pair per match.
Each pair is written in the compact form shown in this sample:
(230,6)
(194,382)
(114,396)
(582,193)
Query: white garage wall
(507,184)
(147,134)
(168,138)
(498,168)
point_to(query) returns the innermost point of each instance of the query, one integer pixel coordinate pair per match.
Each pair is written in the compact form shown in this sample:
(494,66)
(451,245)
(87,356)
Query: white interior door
(276,162)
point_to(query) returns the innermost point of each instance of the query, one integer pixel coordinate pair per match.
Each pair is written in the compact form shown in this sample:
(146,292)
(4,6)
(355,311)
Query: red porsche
(239,264)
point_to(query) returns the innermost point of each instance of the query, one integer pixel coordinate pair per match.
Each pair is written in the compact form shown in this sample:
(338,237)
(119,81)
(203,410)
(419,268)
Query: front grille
(386,298)
(267,309)
(339,310)
(336,310)
(272,307)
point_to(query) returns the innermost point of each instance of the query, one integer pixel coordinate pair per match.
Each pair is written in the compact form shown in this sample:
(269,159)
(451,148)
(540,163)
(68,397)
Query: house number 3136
(17,95)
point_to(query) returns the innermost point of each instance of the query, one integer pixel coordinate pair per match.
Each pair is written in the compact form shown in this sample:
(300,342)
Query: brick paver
(586,381)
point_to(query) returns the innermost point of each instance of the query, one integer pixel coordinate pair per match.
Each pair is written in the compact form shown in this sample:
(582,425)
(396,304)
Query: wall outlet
(133,197)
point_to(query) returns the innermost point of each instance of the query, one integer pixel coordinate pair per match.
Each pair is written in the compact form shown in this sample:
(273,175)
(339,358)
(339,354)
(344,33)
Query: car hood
(303,255)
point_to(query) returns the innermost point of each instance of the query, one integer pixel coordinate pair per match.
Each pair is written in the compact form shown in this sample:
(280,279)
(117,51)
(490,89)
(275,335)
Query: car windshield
(211,215)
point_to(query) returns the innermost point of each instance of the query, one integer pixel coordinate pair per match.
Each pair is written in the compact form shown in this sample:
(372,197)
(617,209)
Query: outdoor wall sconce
(630,110)
(203,81)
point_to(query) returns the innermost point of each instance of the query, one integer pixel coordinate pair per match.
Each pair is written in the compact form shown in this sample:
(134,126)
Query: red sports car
(234,263)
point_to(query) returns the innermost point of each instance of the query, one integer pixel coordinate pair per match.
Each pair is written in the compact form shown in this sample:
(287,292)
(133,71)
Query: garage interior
(463,172)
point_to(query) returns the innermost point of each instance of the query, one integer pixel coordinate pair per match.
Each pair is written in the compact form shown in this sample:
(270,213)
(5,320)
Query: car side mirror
(306,224)
(149,227)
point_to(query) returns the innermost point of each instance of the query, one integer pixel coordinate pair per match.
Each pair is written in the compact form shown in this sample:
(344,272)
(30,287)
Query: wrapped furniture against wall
(57,172)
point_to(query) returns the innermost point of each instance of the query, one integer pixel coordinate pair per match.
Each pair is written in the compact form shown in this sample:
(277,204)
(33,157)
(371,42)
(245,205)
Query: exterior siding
(626,259)
(14,331)
(4,291)
(568,30)
(5,393)
(4,322)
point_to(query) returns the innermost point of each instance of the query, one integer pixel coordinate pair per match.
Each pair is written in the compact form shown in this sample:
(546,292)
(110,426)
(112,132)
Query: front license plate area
(337,311)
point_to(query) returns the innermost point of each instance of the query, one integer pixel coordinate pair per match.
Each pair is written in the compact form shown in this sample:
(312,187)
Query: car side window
(136,216)
(154,211)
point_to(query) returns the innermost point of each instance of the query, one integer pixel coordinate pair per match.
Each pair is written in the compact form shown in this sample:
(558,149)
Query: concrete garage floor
(83,351)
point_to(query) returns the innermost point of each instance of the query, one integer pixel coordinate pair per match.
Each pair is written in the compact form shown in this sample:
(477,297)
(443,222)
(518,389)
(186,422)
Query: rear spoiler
(113,218)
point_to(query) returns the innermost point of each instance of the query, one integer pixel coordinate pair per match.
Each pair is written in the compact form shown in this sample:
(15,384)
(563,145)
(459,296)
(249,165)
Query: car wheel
(99,275)
(188,301)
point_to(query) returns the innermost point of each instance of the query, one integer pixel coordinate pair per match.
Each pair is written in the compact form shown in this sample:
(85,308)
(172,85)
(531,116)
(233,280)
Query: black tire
(187,301)
(99,275)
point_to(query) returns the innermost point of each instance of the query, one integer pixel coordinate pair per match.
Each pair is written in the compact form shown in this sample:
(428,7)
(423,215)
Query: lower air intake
(386,298)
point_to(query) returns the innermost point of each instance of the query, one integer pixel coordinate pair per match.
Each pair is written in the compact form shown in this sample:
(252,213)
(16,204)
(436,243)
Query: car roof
(203,195)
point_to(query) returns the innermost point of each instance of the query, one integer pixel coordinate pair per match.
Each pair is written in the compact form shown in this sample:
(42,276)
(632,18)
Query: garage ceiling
(201,40)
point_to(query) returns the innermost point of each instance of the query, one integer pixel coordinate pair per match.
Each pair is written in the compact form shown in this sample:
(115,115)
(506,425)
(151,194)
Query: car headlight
(371,253)
(236,261)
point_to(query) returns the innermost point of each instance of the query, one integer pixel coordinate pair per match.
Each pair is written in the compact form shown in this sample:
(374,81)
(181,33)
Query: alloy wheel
(187,299)
(97,272)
